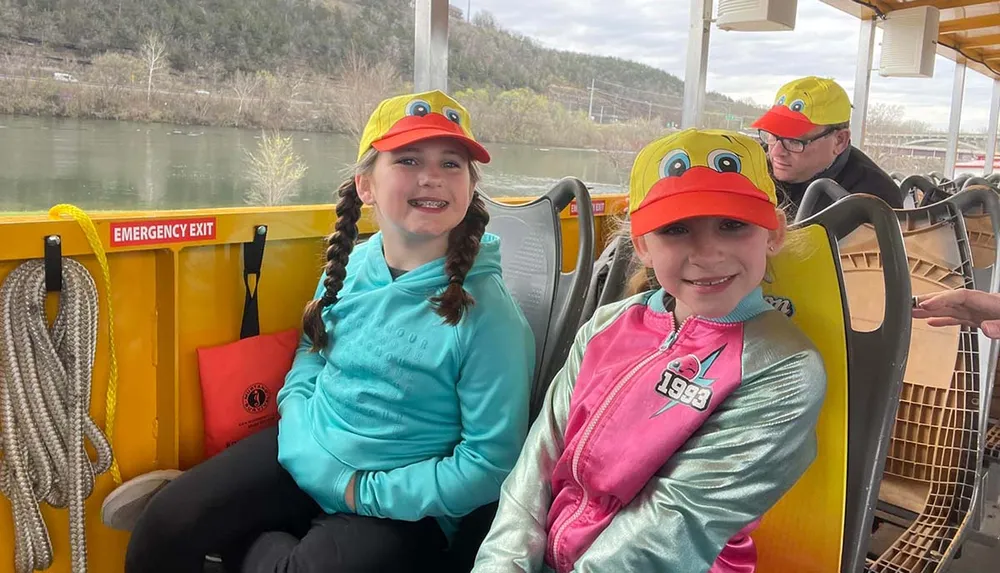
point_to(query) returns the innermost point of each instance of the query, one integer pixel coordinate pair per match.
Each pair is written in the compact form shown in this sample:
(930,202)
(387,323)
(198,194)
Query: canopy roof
(969,29)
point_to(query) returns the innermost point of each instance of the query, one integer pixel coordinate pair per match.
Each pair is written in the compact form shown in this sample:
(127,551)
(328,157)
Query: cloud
(754,65)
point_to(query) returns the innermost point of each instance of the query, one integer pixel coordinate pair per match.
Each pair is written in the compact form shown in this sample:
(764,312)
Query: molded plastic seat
(824,522)
(931,477)
(531,257)
(984,229)
(611,274)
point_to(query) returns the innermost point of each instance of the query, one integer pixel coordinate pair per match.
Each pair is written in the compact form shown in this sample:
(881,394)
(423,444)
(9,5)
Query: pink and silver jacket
(660,446)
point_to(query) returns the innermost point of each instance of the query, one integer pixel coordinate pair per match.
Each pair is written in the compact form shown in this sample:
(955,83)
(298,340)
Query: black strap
(253,256)
(53,263)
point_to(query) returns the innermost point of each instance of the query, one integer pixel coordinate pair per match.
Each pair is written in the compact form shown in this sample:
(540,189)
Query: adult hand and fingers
(966,307)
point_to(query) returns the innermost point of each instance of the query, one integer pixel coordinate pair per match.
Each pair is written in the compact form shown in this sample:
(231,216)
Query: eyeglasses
(793,145)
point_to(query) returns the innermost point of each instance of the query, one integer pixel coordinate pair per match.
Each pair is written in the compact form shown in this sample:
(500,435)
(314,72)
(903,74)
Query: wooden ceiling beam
(964,24)
(939,4)
(981,41)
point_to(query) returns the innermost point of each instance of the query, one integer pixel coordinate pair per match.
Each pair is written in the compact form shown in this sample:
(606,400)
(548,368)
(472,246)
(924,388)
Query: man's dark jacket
(855,172)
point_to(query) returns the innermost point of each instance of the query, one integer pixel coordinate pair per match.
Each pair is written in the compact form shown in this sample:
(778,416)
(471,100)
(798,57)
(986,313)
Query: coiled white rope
(45,383)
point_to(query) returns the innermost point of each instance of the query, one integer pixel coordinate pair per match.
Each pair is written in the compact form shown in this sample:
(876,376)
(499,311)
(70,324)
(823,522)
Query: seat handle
(967,201)
(859,209)
(561,195)
(932,193)
(817,189)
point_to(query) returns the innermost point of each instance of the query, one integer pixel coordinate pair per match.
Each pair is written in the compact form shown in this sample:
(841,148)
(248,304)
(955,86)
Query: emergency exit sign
(144,233)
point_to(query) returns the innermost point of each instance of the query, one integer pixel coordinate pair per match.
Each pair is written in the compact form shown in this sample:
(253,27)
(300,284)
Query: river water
(98,164)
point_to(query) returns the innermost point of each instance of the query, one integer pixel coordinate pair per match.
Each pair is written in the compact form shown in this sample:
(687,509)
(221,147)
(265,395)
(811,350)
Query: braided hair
(463,247)
(338,251)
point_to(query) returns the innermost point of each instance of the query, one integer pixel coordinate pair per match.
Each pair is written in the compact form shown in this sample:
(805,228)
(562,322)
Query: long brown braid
(338,252)
(463,247)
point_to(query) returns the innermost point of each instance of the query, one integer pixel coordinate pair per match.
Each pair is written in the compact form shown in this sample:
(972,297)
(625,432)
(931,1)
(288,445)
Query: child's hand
(349,494)
(966,307)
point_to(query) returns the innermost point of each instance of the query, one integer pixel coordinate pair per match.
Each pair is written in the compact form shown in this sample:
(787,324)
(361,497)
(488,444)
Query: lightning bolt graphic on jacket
(700,379)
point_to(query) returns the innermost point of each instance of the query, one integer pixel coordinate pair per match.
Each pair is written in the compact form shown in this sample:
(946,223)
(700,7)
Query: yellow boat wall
(170,299)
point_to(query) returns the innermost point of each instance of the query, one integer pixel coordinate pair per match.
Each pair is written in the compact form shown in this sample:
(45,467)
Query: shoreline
(504,117)
(498,143)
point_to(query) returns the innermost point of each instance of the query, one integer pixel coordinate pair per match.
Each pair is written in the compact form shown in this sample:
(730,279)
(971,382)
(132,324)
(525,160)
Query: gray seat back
(935,448)
(531,254)
(876,358)
(981,210)
(980,207)
(611,274)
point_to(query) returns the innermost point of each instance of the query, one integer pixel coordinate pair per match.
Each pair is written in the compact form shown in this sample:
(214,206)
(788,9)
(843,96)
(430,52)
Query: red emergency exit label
(136,233)
(598,207)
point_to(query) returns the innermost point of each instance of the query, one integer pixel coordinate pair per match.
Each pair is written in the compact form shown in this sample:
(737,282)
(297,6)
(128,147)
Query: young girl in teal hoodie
(407,403)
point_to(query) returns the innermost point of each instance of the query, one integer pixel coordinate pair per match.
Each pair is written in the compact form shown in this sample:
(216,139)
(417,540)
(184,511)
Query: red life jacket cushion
(239,386)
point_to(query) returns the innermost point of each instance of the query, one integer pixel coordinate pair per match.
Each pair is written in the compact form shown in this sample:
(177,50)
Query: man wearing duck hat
(807,134)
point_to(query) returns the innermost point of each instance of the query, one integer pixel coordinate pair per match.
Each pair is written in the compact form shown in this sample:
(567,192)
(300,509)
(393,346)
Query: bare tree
(363,85)
(245,84)
(882,120)
(484,19)
(290,84)
(215,71)
(278,95)
(887,131)
(113,73)
(153,53)
(274,171)
(621,144)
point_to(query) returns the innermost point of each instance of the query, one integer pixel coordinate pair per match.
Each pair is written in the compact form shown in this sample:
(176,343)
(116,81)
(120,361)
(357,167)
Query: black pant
(244,505)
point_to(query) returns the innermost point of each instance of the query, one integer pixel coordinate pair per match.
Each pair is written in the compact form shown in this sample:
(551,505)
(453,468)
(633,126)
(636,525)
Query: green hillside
(253,35)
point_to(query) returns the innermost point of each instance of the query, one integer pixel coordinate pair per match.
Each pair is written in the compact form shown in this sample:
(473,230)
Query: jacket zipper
(615,391)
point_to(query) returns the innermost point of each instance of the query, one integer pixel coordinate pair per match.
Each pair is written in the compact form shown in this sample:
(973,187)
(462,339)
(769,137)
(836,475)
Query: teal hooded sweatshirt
(430,416)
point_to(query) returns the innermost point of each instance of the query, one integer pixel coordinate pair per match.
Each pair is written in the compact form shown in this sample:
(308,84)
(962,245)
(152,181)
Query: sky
(741,64)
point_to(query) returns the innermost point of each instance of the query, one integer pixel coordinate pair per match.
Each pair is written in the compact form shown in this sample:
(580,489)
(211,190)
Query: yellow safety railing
(170,282)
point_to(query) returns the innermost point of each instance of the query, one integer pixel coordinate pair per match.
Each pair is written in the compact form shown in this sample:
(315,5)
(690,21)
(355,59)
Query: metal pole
(430,43)
(991,132)
(955,121)
(696,69)
(590,110)
(862,81)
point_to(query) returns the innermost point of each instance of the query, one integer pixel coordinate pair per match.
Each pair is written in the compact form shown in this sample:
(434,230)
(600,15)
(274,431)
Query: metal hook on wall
(53,263)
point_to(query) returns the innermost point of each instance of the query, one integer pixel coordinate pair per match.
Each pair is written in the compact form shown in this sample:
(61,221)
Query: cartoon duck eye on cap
(407,119)
(804,104)
(701,173)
